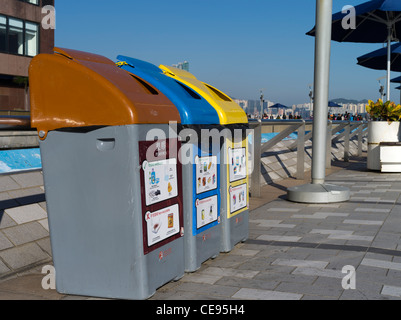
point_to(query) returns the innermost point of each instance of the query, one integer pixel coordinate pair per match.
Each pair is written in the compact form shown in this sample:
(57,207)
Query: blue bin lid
(193,108)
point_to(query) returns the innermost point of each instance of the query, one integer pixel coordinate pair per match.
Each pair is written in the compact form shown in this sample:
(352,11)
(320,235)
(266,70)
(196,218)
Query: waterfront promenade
(294,252)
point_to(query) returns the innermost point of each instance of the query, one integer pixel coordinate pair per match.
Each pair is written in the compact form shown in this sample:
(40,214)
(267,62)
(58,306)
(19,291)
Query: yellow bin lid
(72,88)
(229,112)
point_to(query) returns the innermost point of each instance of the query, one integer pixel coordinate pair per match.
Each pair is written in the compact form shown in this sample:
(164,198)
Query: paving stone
(342,235)
(3,268)
(364,222)
(318,272)
(45,245)
(27,213)
(248,283)
(257,294)
(300,263)
(391,291)
(201,278)
(27,232)
(381,264)
(319,215)
(375,210)
(244,252)
(325,289)
(22,256)
(279,238)
(4,242)
(45,224)
(5,220)
(6,184)
(229,272)
(29,179)
(217,291)
(272,224)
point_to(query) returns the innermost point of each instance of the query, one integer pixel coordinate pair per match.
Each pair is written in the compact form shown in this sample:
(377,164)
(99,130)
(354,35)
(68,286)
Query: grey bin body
(201,243)
(93,191)
(234,226)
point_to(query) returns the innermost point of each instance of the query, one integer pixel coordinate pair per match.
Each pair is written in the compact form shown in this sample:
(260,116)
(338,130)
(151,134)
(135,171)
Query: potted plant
(383,127)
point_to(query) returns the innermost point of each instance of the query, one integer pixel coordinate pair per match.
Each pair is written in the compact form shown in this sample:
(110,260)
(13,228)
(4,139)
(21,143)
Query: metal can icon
(170,220)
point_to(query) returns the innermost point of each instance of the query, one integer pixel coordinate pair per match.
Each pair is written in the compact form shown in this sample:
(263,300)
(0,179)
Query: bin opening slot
(64,55)
(145,85)
(217,93)
(189,91)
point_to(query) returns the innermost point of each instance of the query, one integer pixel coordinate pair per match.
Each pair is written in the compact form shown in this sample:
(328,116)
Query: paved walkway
(295,251)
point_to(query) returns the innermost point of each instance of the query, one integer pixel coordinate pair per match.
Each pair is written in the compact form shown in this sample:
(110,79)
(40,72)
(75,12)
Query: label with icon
(162,224)
(237,164)
(238,198)
(206,211)
(160,180)
(206,174)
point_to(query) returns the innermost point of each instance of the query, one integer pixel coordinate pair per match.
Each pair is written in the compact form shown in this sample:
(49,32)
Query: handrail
(15,122)
(350,130)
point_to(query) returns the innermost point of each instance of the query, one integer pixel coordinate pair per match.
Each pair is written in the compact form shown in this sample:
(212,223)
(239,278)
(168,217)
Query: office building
(22,36)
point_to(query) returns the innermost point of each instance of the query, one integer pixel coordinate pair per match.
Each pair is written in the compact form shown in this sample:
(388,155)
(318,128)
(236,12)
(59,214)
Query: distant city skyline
(237,46)
(253,108)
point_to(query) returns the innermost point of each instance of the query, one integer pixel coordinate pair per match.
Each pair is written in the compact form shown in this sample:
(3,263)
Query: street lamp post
(261,103)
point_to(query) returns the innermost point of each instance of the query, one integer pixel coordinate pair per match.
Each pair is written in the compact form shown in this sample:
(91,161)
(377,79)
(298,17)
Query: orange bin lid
(72,89)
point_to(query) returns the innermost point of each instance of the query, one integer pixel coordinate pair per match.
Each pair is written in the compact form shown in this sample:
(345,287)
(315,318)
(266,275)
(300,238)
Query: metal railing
(336,130)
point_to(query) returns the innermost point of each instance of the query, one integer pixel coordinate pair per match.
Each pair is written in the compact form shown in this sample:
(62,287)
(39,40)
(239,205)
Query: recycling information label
(237,184)
(160,180)
(206,211)
(238,198)
(206,174)
(161,193)
(237,161)
(162,224)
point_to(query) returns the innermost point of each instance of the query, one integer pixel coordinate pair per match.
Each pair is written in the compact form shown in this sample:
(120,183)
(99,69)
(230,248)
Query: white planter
(380,131)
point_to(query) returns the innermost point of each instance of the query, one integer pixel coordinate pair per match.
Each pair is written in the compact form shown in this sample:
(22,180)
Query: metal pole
(301,152)
(329,139)
(388,61)
(322,74)
(318,191)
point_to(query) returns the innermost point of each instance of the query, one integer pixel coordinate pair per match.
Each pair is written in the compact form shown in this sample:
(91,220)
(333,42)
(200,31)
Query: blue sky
(239,46)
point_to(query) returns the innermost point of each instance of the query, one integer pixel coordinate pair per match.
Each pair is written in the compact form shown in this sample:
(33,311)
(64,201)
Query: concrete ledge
(18,139)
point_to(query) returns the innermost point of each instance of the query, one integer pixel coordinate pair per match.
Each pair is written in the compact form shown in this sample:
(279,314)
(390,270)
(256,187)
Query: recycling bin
(200,165)
(234,158)
(112,179)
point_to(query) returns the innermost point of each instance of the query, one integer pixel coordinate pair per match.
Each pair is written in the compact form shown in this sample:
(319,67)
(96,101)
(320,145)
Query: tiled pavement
(295,251)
